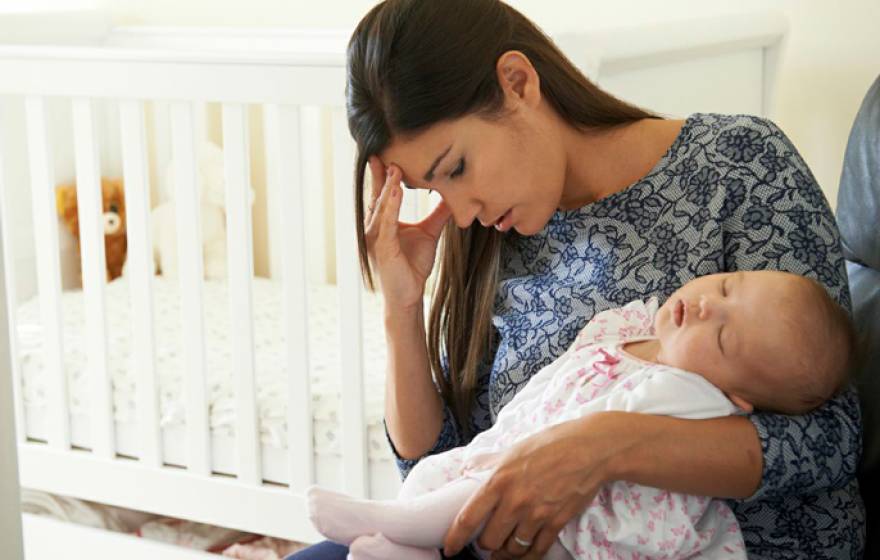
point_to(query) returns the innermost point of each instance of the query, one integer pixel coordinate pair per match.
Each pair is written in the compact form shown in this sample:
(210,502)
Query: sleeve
(633,319)
(448,438)
(673,392)
(778,218)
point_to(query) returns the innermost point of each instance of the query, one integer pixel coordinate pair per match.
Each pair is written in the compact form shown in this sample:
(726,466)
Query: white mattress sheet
(270,367)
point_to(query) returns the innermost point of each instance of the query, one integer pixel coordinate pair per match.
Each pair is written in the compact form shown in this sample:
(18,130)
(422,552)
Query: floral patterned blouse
(731,193)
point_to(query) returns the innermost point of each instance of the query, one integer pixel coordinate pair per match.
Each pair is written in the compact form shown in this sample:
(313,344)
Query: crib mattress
(270,369)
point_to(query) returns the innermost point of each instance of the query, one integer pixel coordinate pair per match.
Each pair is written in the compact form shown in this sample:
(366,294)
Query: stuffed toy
(212,199)
(113,197)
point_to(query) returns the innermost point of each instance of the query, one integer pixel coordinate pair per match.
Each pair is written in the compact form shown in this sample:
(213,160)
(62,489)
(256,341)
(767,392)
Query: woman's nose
(463,212)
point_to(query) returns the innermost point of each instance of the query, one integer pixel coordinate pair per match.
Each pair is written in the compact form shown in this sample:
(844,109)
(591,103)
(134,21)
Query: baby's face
(726,328)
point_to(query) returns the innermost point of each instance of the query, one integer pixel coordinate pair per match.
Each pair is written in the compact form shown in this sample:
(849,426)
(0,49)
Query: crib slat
(239,240)
(285,163)
(311,163)
(191,266)
(140,269)
(48,268)
(94,273)
(313,182)
(9,278)
(348,279)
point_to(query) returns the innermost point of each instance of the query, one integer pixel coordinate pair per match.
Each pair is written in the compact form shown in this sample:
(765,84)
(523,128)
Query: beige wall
(830,59)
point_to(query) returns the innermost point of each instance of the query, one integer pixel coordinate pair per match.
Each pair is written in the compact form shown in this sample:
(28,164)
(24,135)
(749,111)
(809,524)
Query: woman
(558,202)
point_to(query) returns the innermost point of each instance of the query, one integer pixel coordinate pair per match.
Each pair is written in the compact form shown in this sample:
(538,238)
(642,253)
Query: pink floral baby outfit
(625,521)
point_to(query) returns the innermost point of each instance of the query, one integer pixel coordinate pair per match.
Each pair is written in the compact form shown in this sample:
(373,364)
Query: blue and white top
(731,193)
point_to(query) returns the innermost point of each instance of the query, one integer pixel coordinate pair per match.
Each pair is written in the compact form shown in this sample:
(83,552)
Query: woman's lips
(504,222)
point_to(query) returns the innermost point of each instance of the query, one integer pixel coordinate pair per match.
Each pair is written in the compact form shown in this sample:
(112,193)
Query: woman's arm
(780,219)
(417,421)
(403,255)
(810,453)
(566,464)
(719,457)
(760,456)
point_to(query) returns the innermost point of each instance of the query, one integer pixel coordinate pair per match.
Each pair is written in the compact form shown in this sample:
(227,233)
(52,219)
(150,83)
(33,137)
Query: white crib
(144,84)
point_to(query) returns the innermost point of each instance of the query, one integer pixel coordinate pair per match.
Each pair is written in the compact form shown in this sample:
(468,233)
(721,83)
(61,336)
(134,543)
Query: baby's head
(770,340)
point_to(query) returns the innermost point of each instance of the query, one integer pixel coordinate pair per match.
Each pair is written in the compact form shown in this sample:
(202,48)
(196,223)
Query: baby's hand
(482,462)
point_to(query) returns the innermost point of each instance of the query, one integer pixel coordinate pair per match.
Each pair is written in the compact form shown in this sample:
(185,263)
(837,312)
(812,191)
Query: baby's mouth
(678,313)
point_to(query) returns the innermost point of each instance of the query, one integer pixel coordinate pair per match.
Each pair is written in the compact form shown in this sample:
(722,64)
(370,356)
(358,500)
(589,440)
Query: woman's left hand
(538,486)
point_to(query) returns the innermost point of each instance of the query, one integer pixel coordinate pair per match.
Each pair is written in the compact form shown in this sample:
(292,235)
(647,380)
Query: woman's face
(508,171)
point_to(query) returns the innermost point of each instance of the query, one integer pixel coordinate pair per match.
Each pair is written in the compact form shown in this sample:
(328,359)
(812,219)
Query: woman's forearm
(719,457)
(413,407)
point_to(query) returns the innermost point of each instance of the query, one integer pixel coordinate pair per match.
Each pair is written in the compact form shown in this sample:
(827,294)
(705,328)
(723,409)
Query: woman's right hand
(401,254)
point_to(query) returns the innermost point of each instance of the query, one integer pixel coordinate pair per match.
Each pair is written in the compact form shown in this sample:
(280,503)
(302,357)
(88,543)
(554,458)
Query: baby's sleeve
(673,392)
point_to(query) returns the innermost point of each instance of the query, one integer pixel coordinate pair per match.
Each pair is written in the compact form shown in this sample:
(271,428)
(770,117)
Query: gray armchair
(858,215)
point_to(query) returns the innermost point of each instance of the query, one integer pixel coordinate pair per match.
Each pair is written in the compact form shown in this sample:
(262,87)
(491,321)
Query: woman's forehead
(419,154)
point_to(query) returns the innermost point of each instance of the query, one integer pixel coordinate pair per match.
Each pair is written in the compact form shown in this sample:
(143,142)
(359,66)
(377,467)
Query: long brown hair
(414,63)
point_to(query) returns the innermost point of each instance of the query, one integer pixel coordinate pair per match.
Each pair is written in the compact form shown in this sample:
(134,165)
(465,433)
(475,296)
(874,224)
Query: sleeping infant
(721,344)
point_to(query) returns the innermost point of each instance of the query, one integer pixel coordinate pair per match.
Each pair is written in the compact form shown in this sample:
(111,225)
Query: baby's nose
(708,307)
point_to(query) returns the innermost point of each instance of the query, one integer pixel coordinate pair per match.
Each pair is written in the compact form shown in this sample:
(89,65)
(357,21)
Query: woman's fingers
(378,206)
(499,528)
(543,541)
(377,185)
(469,519)
(377,170)
(388,205)
(522,539)
(549,532)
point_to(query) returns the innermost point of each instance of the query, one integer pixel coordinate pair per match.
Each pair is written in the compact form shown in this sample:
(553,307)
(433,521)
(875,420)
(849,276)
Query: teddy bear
(212,202)
(113,217)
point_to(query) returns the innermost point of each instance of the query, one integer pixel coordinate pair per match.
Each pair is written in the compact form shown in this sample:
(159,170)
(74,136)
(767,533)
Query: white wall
(826,68)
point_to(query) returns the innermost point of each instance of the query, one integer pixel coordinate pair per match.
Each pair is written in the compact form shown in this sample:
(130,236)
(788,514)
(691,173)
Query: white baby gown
(625,520)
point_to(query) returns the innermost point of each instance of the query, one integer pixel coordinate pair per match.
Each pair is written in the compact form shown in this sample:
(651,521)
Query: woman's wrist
(403,317)
(718,457)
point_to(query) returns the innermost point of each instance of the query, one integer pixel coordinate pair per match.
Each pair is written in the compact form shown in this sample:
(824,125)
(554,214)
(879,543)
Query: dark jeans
(331,551)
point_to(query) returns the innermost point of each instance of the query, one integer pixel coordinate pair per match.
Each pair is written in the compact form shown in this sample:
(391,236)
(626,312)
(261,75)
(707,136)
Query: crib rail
(289,88)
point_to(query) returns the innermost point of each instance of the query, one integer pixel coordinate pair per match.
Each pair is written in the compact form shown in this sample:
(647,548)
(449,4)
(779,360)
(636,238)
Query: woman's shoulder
(737,137)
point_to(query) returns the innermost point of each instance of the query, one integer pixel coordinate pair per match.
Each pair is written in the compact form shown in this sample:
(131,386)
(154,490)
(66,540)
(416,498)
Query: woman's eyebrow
(429,176)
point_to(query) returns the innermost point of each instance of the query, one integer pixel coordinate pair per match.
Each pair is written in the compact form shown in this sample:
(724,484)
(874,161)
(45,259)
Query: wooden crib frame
(306,72)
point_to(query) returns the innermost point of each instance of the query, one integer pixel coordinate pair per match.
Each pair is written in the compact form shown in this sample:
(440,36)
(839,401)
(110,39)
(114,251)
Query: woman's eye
(724,287)
(458,170)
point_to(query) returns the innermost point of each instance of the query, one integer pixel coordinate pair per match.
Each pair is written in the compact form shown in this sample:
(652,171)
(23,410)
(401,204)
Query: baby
(722,344)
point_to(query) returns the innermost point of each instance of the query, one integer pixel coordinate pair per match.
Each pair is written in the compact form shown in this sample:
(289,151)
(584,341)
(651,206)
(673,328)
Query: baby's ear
(741,402)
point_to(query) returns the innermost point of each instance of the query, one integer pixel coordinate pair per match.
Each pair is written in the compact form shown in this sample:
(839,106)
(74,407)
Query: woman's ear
(518,78)
(741,402)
